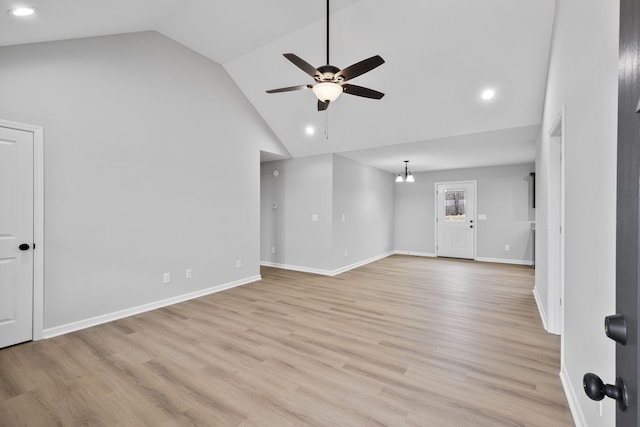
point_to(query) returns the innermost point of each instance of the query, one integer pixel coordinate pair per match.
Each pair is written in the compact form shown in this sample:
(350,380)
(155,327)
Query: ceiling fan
(330,80)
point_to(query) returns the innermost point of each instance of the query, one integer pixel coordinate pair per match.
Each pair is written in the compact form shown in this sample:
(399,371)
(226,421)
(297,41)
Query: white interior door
(456,214)
(16,231)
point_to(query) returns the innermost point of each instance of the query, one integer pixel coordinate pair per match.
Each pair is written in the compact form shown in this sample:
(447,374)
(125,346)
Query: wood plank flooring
(404,341)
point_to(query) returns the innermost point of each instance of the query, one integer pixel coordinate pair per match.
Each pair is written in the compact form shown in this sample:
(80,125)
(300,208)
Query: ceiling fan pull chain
(326,124)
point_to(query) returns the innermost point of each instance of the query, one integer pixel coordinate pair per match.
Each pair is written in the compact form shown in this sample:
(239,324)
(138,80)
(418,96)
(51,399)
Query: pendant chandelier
(406,175)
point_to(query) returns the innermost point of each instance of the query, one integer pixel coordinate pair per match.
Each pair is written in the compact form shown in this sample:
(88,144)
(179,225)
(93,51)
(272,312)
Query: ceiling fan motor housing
(328,74)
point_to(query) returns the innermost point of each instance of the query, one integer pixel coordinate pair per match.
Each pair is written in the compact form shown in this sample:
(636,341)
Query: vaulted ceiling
(440,55)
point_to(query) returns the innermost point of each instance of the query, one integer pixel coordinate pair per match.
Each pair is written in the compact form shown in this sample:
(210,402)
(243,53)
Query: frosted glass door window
(454,205)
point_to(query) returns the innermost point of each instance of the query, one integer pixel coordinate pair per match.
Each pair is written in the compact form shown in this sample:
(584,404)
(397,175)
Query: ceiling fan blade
(361,91)
(322,105)
(360,68)
(289,89)
(302,64)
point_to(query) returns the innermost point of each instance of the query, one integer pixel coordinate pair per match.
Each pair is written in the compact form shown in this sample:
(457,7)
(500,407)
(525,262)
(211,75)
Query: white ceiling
(440,55)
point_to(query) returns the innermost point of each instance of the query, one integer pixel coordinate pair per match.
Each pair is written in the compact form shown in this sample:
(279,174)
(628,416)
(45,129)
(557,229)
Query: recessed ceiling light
(310,130)
(22,11)
(488,94)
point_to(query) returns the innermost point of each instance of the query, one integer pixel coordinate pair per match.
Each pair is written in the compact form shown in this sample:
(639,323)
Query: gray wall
(365,196)
(329,186)
(302,189)
(151,166)
(583,74)
(504,196)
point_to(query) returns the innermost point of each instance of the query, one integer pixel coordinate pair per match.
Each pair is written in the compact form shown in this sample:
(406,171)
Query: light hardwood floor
(404,341)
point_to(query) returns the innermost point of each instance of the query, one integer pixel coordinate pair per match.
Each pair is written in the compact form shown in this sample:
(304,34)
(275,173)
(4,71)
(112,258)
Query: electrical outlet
(345,252)
(314,217)
(166,277)
(238,263)
(368,248)
(507,247)
(273,249)
(188,274)
(344,217)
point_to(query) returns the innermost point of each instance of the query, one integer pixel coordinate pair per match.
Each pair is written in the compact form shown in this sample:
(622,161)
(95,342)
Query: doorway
(456,219)
(21,233)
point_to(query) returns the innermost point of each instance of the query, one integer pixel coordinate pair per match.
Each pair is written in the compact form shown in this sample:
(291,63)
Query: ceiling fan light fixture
(327,91)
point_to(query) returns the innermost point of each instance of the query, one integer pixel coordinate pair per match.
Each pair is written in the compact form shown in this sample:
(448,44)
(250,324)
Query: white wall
(328,186)
(151,166)
(583,77)
(504,196)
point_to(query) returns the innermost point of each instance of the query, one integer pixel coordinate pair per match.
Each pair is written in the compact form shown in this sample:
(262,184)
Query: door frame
(556,227)
(38,222)
(475,213)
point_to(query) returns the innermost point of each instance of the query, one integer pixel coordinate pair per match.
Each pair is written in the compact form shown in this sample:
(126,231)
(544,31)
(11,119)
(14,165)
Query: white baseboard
(322,271)
(109,317)
(572,399)
(505,261)
(543,314)
(296,268)
(360,263)
(412,253)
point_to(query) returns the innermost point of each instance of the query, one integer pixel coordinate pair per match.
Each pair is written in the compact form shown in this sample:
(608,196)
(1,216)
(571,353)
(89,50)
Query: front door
(628,218)
(16,236)
(455,220)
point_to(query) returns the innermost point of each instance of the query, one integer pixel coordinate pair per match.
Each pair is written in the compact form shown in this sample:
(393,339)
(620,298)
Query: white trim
(505,261)
(38,222)
(572,399)
(296,268)
(543,314)
(323,272)
(360,263)
(556,222)
(109,317)
(412,253)
(475,208)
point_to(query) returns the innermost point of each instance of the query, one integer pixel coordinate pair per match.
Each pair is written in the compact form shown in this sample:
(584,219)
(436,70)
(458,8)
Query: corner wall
(143,141)
(328,186)
(583,77)
(290,201)
(363,212)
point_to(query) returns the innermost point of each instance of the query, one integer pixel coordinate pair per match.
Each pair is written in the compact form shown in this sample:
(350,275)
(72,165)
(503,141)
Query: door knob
(597,390)
(616,328)
(24,247)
